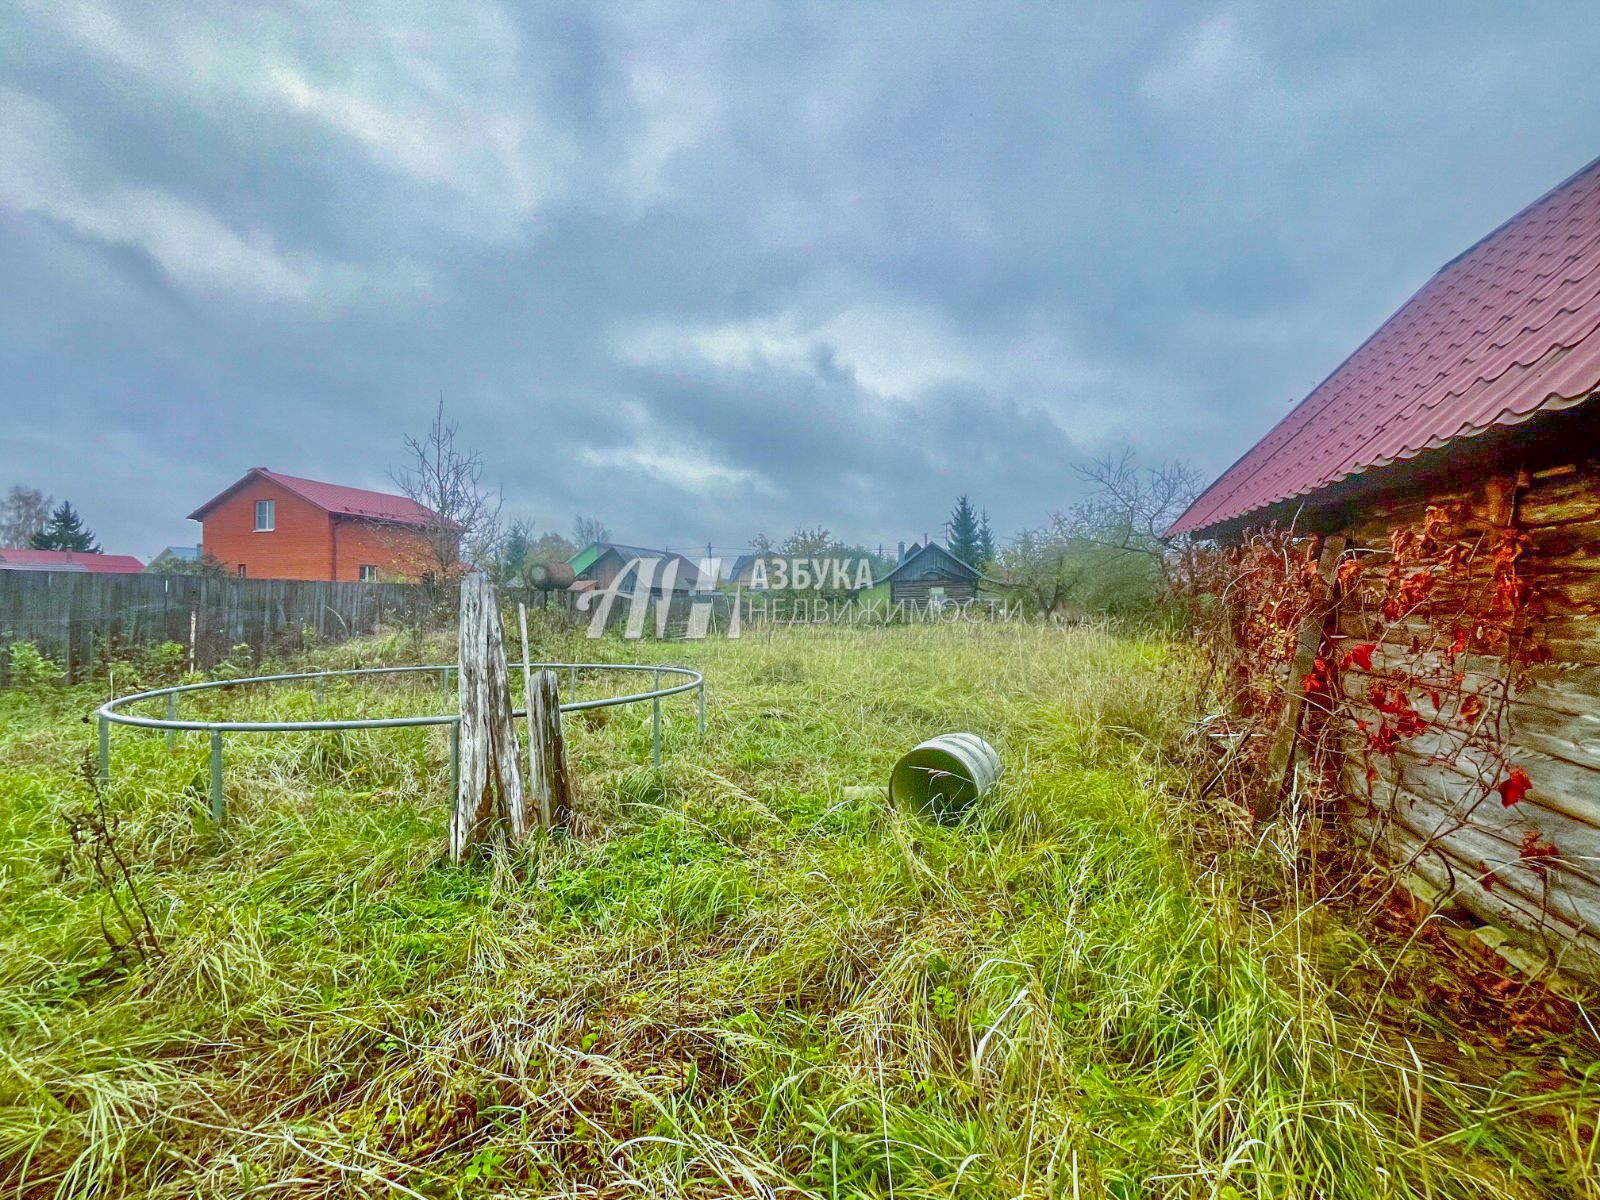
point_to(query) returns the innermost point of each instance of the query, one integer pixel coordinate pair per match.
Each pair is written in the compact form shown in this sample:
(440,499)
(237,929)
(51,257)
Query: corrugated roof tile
(1508,329)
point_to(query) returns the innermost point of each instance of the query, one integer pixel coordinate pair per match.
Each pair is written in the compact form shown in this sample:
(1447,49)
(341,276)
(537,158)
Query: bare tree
(463,518)
(24,512)
(1132,507)
(1105,554)
(1045,566)
(586,531)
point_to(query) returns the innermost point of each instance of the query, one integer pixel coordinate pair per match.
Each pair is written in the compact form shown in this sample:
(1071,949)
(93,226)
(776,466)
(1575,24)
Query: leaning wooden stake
(551,787)
(489,794)
(1280,760)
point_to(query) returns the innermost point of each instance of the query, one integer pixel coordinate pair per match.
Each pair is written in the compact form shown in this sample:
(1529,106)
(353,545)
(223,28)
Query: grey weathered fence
(72,616)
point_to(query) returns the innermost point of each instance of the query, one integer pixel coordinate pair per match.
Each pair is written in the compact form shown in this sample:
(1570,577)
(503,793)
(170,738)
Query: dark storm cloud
(714,271)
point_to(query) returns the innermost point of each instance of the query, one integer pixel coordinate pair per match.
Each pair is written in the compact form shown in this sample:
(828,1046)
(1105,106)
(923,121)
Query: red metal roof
(22,559)
(1508,329)
(334,498)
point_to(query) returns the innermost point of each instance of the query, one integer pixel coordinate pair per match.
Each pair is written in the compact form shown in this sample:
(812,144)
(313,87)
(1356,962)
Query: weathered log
(1313,625)
(551,786)
(489,795)
(1575,947)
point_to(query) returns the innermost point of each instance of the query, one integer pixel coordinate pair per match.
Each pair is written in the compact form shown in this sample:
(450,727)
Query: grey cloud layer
(714,270)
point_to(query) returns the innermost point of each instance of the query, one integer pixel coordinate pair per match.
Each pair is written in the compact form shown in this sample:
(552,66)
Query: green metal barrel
(945,775)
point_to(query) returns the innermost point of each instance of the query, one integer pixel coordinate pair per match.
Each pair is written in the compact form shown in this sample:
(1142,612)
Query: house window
(369,573)
(241,570)
(266,515)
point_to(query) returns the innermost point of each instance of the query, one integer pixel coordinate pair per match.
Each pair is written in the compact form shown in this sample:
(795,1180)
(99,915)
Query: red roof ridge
(20,557)
(1504,330)
(337,499)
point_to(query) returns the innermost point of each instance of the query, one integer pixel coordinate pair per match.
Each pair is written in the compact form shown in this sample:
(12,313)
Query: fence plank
(71,616)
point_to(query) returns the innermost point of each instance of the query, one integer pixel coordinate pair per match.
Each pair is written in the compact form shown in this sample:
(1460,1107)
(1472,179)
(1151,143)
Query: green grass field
(744,974)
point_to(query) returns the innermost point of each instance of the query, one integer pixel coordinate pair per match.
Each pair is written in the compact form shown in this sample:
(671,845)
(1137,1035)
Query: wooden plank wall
(71,616)
(1551,729)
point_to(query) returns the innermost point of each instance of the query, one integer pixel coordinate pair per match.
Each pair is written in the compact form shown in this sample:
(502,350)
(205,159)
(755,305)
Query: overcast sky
(708,270)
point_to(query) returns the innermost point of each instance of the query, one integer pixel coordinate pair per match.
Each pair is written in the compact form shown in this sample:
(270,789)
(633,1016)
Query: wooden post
(552,789)
(1280,762)
(489,792)
(541,799)
(104,773)
(218,809)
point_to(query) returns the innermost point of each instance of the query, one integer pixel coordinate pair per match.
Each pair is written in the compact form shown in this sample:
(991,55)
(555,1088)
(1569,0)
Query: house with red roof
(268,525)
(1441,489)
(75,561)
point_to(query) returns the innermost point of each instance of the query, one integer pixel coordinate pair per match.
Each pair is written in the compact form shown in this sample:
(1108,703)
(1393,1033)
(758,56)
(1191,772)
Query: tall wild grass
(745,974)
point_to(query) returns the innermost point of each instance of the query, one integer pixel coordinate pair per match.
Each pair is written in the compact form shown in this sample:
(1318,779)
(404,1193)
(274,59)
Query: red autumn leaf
(1471,707)
(1317,679)
(1360,656)
(1386,740)
(1538,854)
(1409,724)
(1414,589)
(1388,698)
(1489,880)
(1514,787)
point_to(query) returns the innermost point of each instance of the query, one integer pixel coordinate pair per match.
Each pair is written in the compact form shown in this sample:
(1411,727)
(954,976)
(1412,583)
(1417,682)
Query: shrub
(32,671)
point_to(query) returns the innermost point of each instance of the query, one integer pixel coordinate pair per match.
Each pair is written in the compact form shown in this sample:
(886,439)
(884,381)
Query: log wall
(1427,819)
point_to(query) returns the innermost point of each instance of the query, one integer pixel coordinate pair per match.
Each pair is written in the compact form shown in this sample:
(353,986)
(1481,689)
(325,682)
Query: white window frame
(272,516)
(368,573)
(241,571)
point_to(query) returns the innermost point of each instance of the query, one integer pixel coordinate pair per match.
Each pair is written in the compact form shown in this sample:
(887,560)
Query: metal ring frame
(110,713)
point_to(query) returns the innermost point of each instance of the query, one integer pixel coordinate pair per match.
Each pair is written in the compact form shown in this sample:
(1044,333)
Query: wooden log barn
(1442,491)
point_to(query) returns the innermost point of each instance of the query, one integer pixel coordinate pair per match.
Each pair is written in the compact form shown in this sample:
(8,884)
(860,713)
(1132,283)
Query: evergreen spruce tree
(985,543)
(964,532)
(66,532)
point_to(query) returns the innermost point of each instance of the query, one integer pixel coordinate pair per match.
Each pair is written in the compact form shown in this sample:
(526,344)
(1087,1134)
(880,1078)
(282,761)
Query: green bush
(31,671)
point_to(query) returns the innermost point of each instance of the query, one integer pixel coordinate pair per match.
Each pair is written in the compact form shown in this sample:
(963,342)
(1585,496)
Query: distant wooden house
(602,564)
(1444,483)
(932,575)
(174,558)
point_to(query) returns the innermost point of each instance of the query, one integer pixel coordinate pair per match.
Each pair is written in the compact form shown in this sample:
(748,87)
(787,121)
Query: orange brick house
(274,526)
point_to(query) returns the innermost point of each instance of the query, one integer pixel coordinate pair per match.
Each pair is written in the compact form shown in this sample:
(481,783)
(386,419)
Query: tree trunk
(551,788)
(489,796)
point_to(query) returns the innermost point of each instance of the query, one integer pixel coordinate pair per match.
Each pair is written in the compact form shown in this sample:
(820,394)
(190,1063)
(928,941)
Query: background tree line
(1103,555)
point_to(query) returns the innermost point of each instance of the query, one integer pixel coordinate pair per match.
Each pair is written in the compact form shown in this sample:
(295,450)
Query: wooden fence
(72,617)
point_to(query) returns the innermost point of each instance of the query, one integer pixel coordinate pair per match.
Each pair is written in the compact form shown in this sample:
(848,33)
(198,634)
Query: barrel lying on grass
(943,776)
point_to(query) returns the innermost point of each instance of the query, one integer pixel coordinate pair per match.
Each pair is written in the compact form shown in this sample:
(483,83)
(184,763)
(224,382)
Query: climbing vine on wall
(1432,640)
